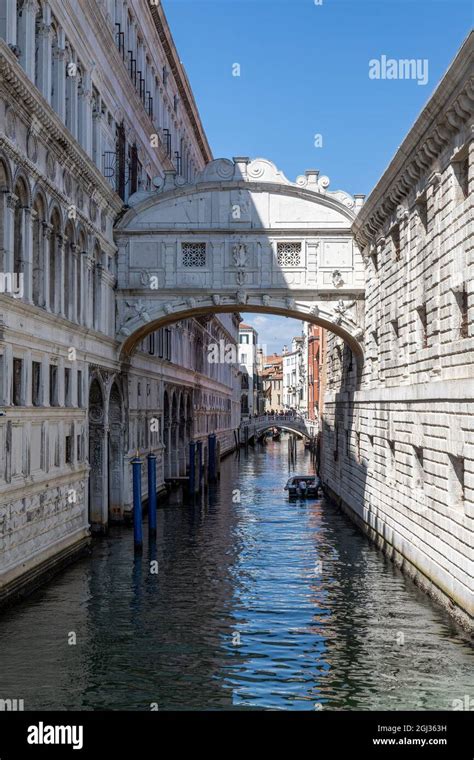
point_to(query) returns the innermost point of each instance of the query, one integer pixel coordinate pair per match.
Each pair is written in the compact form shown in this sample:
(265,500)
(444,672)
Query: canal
(257,603)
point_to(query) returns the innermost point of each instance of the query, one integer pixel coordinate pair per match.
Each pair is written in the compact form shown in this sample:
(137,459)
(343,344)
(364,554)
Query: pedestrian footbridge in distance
(256,427)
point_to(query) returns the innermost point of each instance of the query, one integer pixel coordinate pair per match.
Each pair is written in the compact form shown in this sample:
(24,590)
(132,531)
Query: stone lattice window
(461,174)
(194,254)
(422,215)
(463,302)
(396,241)
(289,254)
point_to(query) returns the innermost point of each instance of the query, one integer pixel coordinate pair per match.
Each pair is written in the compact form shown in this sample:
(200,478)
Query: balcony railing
(132,67)
(167,136)
(120,40)
(149,105)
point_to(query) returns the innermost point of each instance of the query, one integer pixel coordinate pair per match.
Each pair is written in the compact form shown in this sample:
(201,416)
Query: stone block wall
(398,445)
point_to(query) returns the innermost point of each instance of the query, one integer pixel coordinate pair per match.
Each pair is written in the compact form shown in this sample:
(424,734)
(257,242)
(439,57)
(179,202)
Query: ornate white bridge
(241,238)
(293,423)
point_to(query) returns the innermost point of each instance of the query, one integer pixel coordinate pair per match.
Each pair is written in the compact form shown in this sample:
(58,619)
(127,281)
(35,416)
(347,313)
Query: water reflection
(257,603)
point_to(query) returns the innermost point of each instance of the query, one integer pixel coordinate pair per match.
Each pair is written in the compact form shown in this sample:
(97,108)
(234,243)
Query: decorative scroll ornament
(241,277)
(337,280)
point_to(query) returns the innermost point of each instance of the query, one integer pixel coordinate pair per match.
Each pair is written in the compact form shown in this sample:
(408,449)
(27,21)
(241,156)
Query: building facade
(295,375)
(272,382)
(248,359)
(94,107)
(313,340)
(398,441)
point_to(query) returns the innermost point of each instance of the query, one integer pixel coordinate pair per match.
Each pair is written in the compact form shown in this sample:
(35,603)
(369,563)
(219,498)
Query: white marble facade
(84,123)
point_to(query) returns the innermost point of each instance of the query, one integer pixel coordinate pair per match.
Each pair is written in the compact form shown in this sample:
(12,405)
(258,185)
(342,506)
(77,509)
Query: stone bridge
(241,238)
(293,423)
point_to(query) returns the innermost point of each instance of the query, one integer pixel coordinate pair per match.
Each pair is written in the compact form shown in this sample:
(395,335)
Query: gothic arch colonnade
(107,447)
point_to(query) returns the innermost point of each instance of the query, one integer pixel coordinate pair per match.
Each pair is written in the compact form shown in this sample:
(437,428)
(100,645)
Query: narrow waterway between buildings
(258,602)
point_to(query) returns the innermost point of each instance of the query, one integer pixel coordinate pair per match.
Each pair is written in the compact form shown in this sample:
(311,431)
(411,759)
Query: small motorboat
(301,486)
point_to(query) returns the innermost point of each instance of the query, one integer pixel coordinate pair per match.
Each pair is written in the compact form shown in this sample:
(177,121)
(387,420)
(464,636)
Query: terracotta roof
(273,359)
(270,372)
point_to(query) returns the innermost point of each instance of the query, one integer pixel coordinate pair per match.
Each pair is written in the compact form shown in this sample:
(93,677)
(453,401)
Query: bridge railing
(262,418)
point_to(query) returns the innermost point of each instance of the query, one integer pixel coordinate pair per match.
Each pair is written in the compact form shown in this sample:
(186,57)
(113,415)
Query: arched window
(19,239)
(21,27)
(81,247)
(71,93)
(54,69)
(96,127)
(38,48)
(4,188)
(54,294)
(81,107)
(96,279)
(68,271)
(38,251)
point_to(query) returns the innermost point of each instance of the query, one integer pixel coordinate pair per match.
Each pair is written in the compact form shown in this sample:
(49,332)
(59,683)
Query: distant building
(260,405)
(248,338)
(314,354)
(295,376)
(272,381)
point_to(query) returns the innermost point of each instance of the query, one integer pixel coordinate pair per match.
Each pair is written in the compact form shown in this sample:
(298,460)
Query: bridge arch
(149,322)
(291,423)
(260,431)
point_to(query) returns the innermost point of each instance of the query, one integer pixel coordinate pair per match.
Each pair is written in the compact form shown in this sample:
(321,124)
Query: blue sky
(304,71)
